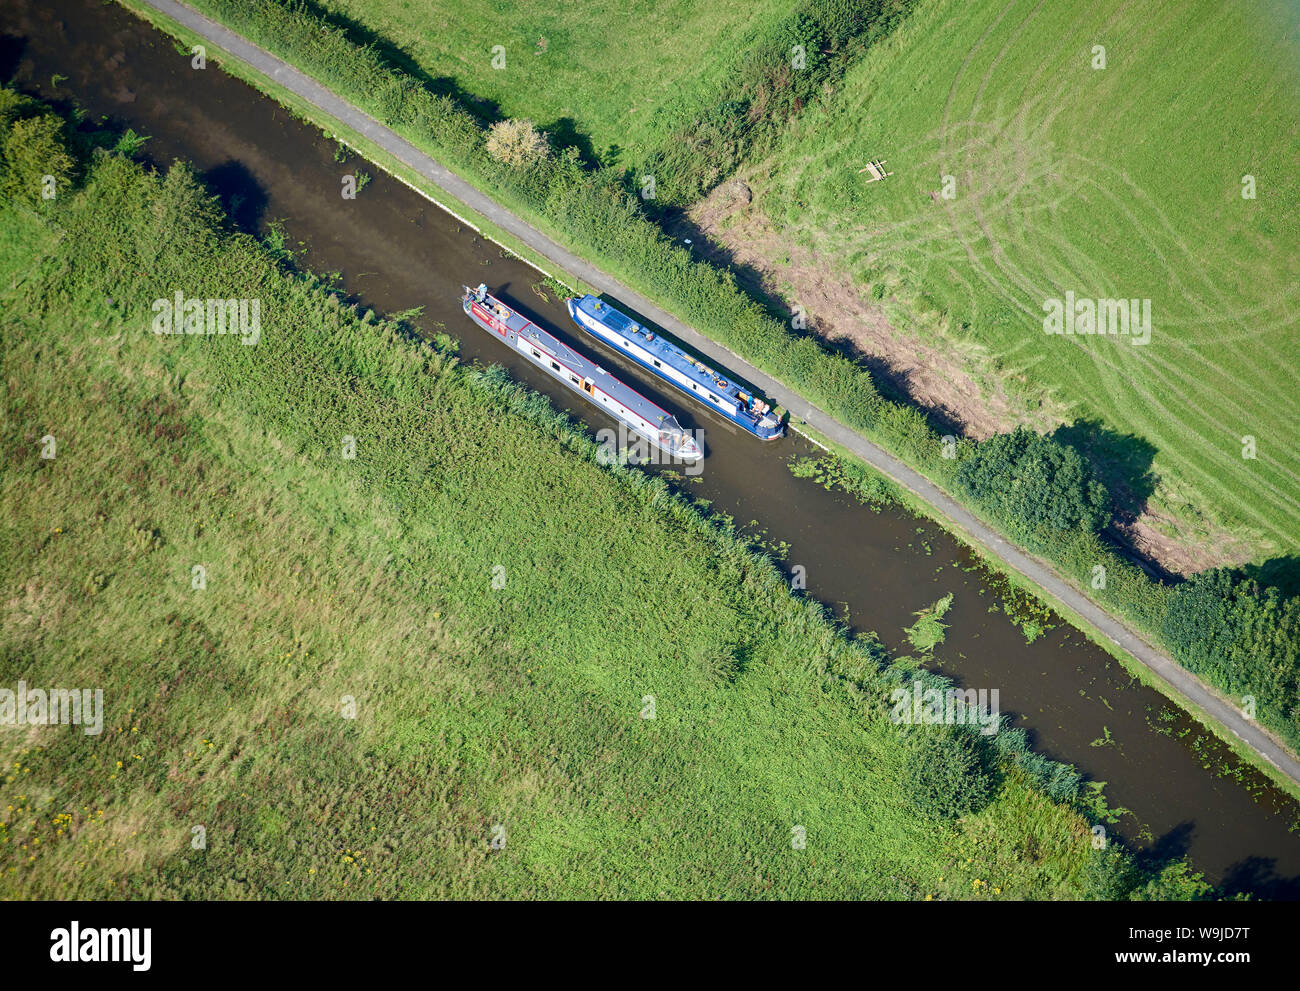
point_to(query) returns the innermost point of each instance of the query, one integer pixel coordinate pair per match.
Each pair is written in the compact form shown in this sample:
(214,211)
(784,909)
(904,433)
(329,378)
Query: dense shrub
(33,152)
(945,772)
(517,143)
(14,105)
(1242,637)
(1028,478)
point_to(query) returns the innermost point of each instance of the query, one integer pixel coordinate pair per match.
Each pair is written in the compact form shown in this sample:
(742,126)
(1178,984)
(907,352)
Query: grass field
(500,684)
(597,71)
(1117,182)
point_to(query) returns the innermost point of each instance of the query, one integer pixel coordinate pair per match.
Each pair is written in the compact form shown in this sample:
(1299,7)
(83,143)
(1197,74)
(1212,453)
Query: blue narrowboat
(665,359)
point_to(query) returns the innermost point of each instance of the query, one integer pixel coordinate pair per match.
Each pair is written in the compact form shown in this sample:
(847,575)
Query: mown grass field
(593,69)
(371,579)
(1124,181)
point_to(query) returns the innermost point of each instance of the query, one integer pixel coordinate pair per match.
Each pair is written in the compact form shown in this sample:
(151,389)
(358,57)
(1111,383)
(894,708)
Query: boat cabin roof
(662,348)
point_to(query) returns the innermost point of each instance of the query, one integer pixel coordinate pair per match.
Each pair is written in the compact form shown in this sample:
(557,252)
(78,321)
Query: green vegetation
(1245,638)
(779,69)
(929,631)
(589,211)
(671,87)
(1027,477)
(130,143)
(1123,181)
(948,775)
(593,213)
(330,582)
(34,160)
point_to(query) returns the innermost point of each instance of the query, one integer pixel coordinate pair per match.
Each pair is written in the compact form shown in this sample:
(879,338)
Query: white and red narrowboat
(657,426)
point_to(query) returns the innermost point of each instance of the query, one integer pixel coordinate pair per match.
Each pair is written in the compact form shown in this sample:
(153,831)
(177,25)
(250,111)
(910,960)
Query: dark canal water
(1185,792)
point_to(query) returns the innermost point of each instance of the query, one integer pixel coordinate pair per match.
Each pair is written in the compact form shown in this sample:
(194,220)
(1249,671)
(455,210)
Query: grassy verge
(598,71)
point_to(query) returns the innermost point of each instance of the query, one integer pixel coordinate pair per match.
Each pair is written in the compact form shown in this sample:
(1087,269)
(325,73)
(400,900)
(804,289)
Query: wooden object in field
(877,169)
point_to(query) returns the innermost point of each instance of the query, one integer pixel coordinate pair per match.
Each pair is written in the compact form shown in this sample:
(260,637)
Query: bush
(517,143)
(1111,874)
(1028,479)
(944,769)
(1244,638)
(34,152)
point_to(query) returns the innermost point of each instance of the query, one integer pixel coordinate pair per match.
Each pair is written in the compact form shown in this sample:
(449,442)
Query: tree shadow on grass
(564,133)
(483,110)
(1282,573)
(1122,462)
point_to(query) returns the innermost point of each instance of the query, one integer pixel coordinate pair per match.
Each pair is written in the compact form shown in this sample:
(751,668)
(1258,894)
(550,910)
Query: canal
(1183,792)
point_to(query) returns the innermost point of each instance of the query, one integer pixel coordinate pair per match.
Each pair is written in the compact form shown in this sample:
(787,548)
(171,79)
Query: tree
(1027,478)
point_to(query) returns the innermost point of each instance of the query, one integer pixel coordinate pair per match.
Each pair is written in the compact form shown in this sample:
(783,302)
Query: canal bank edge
(309,98)
(355,142)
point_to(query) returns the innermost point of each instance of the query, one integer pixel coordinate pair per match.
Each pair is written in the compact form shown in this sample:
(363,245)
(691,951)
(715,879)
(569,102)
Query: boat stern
(690,449)
(769,427)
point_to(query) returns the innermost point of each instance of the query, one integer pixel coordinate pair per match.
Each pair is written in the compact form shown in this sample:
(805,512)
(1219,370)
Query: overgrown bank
(330,582)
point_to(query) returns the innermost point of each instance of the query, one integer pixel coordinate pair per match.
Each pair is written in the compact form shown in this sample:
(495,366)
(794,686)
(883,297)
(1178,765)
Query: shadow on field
(1282,573)
(483,110)
(564,133)
(892,383)
(1122,461)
